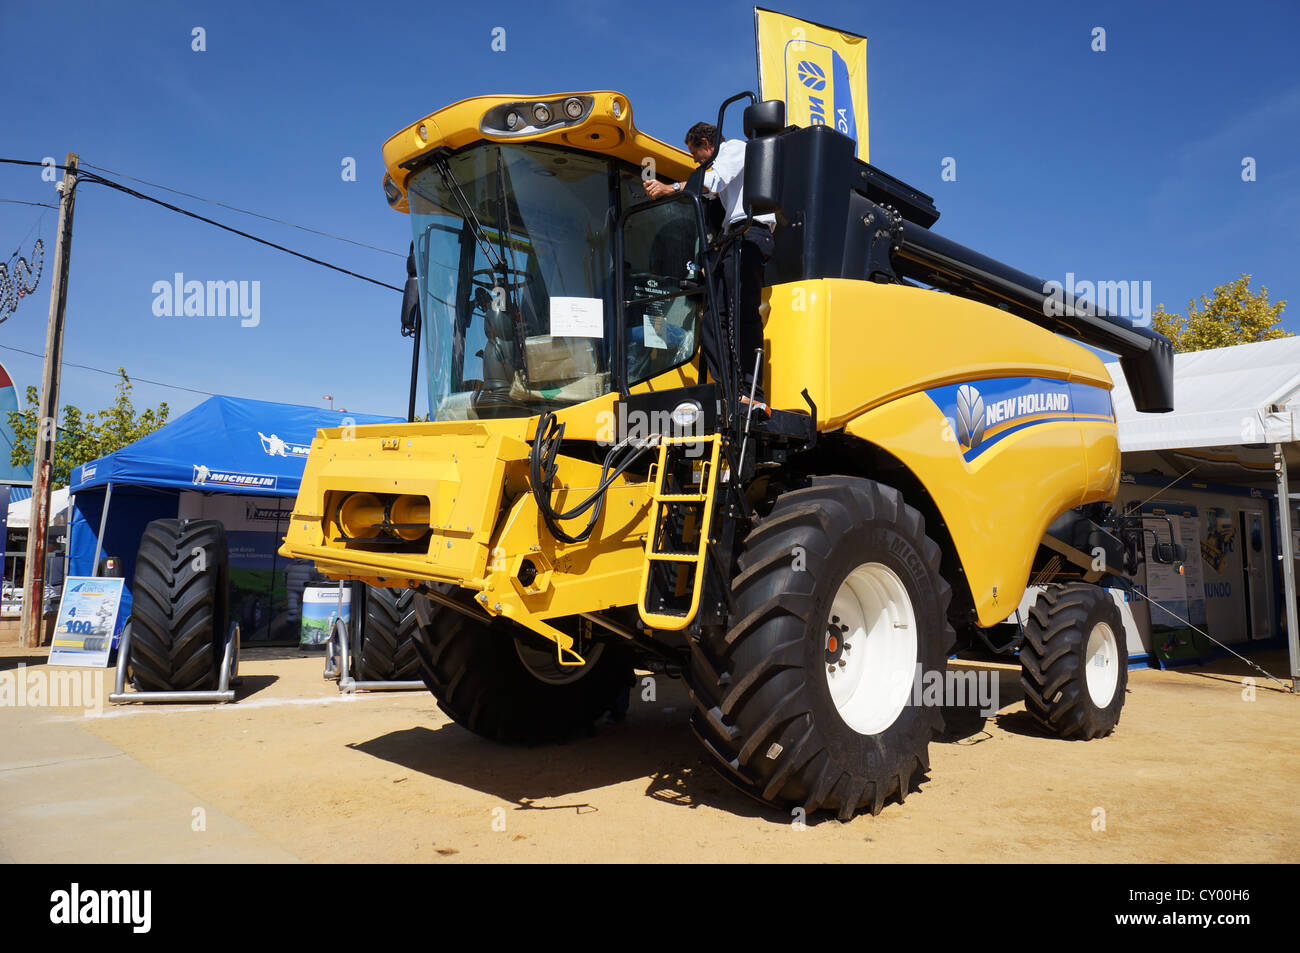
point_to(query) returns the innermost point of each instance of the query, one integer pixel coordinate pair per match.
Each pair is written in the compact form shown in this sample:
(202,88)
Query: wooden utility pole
(32,628)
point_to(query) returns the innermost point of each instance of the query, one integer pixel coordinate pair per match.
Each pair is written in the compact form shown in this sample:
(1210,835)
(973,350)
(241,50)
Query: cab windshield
(513,249)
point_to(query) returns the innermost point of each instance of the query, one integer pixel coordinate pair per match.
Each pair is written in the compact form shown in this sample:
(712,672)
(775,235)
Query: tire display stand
(340,664)
(227,678)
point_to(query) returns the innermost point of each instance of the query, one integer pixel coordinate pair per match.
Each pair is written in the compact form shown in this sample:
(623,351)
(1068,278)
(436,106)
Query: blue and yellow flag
(820,73)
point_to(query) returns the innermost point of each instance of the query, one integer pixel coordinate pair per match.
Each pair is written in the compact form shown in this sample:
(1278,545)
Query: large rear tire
(807,700)
(501,682)
(179,607)
(1074,661)
(387,652)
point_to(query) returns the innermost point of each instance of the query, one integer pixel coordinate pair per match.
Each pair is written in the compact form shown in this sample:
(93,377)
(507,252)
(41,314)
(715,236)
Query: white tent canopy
(1226,397)
(20,513)
(1236,412)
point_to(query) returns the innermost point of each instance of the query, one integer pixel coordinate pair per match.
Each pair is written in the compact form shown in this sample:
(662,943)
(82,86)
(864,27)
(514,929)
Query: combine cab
(593,494)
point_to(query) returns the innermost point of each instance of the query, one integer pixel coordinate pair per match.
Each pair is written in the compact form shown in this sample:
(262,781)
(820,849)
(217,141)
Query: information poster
(1173,608)
(1189,527)
(87,627)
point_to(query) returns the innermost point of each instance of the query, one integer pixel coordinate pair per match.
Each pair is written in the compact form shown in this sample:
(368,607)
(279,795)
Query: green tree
(83,437)
(1231,314)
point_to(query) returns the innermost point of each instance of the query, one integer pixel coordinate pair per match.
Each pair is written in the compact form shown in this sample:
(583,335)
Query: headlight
(685,415)
(529,118)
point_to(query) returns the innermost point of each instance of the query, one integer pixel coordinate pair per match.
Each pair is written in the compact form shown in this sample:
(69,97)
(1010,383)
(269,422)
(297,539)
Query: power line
(21,202)
(100,370)
(244,211)
(100,180)
(30,162)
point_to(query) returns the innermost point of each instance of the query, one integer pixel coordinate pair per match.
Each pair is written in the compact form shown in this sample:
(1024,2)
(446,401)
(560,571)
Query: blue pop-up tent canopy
(224,446)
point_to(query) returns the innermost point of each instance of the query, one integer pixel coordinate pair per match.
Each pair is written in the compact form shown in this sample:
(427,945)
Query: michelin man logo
(970,416)
(276,446)
(201,474)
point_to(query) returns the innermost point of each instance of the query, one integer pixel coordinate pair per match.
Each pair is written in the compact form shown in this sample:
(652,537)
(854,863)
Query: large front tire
(1074,661)
(843,560)
(500,682)
(180,606)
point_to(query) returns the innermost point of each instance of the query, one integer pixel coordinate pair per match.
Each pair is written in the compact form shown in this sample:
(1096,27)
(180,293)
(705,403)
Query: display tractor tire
(179,607)
(807,699)
(504,683)
(1074,661)
(387,650)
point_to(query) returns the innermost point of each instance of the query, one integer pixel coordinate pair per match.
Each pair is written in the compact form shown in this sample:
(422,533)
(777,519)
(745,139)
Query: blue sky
(1115,165)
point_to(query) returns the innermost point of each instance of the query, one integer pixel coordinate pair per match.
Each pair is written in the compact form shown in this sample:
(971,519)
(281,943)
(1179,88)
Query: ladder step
(674,557)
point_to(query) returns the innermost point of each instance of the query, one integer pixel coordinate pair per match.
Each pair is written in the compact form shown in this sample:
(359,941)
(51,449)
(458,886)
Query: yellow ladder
(685,479)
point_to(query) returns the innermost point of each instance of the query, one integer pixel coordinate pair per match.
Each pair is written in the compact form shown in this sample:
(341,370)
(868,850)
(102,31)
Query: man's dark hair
(700,132)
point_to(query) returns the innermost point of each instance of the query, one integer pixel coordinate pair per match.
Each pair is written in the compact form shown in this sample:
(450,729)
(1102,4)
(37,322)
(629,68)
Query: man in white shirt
(743,272)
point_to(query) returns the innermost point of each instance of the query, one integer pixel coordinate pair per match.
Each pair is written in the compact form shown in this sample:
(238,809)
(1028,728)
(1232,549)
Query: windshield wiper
(467,212)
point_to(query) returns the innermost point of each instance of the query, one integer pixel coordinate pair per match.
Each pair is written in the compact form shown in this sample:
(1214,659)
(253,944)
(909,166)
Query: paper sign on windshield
(577,318)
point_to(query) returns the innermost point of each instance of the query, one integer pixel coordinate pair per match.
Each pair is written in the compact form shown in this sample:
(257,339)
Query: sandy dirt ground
(1195,772)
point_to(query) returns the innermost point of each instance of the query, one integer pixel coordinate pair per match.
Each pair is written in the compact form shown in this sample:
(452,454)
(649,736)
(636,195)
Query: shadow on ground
(1229,669)
(256,653)
(13,661)
(645,745)
(250,685)
(654,743)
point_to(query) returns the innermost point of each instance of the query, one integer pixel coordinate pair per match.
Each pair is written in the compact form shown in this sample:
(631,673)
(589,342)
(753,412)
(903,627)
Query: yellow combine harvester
(590,496)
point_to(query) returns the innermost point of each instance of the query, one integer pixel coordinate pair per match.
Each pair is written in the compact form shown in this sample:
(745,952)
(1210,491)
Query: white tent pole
(1288,562)
(99,539)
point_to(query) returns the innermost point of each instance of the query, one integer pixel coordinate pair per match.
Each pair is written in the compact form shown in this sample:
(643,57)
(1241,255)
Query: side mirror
(764,119)
(763,175)
(411,307)
(1168,554)
(763,123)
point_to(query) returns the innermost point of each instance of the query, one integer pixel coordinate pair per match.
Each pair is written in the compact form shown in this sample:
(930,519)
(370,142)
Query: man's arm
(657,190)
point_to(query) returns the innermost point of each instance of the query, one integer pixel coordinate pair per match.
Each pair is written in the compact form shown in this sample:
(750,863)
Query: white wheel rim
(1101,665)
(870,642)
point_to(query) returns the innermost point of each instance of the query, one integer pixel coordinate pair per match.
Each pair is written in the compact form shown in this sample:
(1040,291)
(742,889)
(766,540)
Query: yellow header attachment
(597,122)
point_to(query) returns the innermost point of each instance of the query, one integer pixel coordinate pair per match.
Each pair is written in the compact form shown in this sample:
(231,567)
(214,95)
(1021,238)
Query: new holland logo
(811,75)
(982,416)
(970,416)
(818,91)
